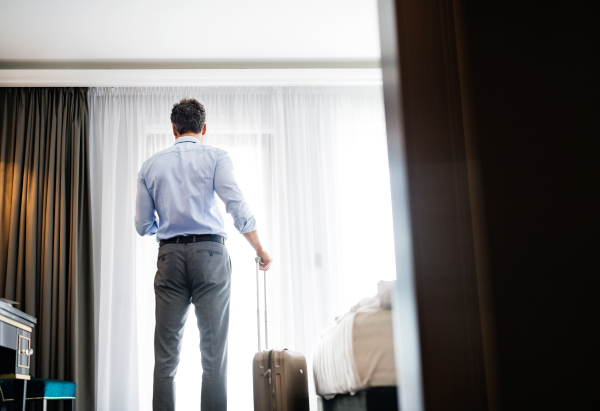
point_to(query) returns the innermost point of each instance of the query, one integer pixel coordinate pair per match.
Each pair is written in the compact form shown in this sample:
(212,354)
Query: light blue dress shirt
(181,185)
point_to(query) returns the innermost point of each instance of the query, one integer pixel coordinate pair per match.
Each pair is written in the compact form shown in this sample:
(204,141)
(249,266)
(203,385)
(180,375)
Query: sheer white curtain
(312,163)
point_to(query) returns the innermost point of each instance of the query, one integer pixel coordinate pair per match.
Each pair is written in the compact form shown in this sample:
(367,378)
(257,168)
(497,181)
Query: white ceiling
(188,30)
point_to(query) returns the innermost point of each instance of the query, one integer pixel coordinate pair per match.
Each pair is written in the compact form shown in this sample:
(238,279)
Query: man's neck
(188,135)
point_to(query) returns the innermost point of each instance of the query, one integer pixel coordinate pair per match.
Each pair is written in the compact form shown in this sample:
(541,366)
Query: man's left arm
(243,219)
(228,190)
(145,218)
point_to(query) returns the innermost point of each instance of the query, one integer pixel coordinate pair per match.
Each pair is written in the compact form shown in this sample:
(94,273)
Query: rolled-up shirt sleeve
(229,192)
(146,221)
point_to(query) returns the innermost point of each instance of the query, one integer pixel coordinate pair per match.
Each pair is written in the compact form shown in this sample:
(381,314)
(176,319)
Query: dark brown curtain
(45,228)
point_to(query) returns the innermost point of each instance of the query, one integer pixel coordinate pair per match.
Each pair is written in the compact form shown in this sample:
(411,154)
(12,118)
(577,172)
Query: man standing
(181,185)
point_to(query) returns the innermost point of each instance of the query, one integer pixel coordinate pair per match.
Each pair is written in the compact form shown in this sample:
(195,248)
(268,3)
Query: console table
(15,349)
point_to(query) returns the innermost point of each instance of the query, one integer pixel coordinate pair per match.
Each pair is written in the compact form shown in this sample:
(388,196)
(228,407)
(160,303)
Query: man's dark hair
(188,116)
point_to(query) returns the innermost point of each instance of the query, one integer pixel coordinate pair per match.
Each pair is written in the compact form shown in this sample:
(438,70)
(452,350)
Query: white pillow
(384,292)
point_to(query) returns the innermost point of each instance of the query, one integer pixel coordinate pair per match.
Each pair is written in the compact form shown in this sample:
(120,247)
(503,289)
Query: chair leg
(40,405)
(20,394)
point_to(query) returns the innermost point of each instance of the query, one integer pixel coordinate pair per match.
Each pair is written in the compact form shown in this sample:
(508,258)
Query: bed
(353,365)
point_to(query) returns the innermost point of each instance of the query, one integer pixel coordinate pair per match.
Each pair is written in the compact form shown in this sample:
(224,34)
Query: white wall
(194,77)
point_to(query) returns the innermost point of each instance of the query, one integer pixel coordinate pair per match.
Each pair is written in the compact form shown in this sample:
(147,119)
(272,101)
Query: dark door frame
(440,315)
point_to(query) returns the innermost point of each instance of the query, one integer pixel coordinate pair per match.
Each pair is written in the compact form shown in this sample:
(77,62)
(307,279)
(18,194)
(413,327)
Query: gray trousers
(199,274)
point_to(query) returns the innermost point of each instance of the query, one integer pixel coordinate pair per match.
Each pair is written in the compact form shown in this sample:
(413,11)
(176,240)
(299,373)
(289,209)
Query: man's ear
(175,133)
(204,130)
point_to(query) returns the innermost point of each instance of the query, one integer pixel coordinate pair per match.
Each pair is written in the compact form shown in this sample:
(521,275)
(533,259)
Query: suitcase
(280,376)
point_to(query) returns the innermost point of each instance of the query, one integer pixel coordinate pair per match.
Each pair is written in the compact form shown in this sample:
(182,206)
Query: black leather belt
(193,239)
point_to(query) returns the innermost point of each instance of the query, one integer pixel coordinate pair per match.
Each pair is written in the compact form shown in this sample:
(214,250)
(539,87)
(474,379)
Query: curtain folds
(312,164)
(45,221)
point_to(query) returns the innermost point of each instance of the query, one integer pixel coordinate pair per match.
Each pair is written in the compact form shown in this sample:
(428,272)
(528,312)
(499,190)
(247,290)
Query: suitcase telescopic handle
(258,260)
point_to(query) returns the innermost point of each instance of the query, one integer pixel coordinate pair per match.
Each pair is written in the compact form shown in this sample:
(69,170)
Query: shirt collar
(187,139)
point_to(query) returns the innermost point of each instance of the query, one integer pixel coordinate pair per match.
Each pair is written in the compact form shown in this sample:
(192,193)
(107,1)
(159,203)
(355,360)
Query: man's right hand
(266,260)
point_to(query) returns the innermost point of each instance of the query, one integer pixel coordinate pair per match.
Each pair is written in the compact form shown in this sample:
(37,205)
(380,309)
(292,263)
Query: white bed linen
(357,353)
(373,348)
